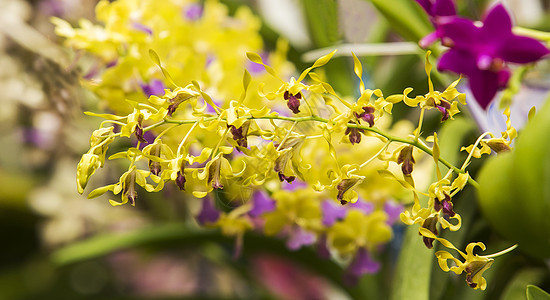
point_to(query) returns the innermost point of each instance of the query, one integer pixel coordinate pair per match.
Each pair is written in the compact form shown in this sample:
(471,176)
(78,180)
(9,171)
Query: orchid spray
(294,157)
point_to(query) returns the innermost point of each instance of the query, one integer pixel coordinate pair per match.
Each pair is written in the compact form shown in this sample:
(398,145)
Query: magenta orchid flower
(439,11)
(361,264)
(208,214)
(438,8)
(261,204)
(482,52)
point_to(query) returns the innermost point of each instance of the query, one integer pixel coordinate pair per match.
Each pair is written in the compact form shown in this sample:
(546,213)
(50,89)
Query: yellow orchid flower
(291,90)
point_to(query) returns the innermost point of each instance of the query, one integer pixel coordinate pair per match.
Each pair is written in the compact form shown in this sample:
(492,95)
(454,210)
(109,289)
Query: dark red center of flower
(446,205)
(354,135)
(367,115)
(293,101)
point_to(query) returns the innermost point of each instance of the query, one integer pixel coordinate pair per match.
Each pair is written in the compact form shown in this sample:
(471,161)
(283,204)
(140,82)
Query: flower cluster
(287,151)
(326,169)
(196,40)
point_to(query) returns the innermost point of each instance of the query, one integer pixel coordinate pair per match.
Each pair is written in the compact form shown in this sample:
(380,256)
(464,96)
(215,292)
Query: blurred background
(56,244)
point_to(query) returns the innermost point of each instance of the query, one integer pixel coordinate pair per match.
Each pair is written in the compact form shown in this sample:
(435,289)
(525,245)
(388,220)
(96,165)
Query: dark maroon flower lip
(240,134)
(445,205)
(180,179)
(406,160)
(293,101)
(430,224)
(367,115)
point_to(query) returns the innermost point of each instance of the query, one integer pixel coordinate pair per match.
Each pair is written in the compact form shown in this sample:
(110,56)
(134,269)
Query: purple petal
(484,86)
(294,185)
(393,210)
(208,214)
(300,237)
(365,207)
(522,50)
(261,203)
(148,138)
(443,8)
(154,87)
(497,25)
(361,264)
(193,12)
(332,212)
(140,27)
(112,63)
(461,32)
(458,61)
(426,5)
(429,39)
(503,77)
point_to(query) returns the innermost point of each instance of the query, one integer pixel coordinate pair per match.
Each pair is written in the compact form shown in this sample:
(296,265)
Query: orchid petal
(497,24)
(443,8)
(522,50)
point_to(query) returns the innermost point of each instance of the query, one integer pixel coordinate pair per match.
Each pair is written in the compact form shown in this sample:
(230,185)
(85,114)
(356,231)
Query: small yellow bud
(86,167)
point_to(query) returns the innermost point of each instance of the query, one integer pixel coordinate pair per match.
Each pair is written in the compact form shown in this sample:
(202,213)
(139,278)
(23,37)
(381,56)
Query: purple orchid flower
(294,185)
(363,206)
(332,212)
(438,8)
(154,87)
(208,214)
(193,12)
(481,53)
(299,237)
(361,264)
(261,204)
(393,210)
(439,11)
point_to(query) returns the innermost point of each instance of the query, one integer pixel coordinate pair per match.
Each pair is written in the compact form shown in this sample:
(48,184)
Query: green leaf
(521,174)
(536,293)
(406,17)
(414,269)
(322,21)
(516,287)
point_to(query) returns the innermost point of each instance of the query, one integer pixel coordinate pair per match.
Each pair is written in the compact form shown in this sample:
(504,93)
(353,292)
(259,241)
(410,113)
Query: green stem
(512,248)
(389,137)
(536,34)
